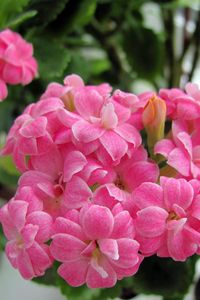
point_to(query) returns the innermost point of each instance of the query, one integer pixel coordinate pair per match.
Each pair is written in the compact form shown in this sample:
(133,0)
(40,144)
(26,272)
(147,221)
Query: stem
(169,28)
(196,37)
(117,66)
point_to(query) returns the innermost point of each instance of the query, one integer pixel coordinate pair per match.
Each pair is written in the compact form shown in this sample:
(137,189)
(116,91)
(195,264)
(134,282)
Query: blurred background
(135,45)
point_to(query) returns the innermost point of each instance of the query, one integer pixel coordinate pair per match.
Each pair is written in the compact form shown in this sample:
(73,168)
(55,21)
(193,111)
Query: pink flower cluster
(89,196)
(17,65)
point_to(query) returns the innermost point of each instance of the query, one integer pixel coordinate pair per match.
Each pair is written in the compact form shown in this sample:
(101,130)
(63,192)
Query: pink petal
(164,147)
(68,118)
(117,193)
(177,191)
(94,278)
(74,81)
(74,273)
(28,234)
(18,210)
(63,225)
(139,173)
(98,222)
(109,247)
(44,223)
(151,221)
(65,247)
(34,128)
(24,265)
(74,163)
(187,108)
(149,246)
(40,258)
(179,161)
(123,226)
(114,145)
(179,247)
(88,103)
(102,197)
(86,132)
(76,193)
(129,133)
(186,141)
(128,253)
(148,194)
(109,118)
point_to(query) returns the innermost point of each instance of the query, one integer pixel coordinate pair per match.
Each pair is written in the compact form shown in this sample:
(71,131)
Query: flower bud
(153,117)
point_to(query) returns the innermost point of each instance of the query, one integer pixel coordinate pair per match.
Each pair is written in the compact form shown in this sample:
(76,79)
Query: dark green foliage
(144,51)
(163,276)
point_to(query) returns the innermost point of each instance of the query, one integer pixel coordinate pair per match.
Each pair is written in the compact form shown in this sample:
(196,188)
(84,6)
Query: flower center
(173,216)
(119,183)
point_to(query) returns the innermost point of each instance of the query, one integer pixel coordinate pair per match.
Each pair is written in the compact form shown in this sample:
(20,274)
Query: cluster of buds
(17,64)
(91,196)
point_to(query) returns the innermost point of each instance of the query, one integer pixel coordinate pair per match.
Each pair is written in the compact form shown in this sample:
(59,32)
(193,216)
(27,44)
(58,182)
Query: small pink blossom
(17,64)
(32,132)
(168,221)
(102,122)
(27,234)
(182,151)
(180,105)
(96,247)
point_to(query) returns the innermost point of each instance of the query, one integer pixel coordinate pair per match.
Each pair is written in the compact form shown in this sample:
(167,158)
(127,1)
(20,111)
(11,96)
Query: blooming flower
(182,151)
(96,246)
(17,64)
(168,221)
(27,234)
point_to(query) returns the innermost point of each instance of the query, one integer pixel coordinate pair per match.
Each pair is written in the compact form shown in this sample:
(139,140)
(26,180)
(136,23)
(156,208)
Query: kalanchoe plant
(94,203)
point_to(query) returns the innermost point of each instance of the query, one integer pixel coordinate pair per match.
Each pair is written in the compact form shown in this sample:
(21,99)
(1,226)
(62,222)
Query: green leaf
(163,276)
(2,239)
(51,55)
(47,11)
(21,18)
(8,10)
(6,163)
(79,65)
(75,15)
(144,51)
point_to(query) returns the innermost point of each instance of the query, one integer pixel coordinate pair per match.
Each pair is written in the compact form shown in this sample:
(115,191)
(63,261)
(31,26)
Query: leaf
(8,10)
(144,51)
(79,65)
(51,55)
(2,239)
(21,18)
(163,276)
(47,11)
(75,15)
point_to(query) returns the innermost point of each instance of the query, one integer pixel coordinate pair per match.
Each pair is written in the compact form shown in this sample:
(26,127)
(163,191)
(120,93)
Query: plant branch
(196,38)
(110,49)
(169,28)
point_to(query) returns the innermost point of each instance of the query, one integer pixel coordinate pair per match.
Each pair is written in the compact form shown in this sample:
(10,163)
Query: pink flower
(183,150)
(180,105)
(101,122)
(62,180)
(168,221)
(27,234)
(72,84)
(128,175)
(17,64)
(96,246)
(33,131)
